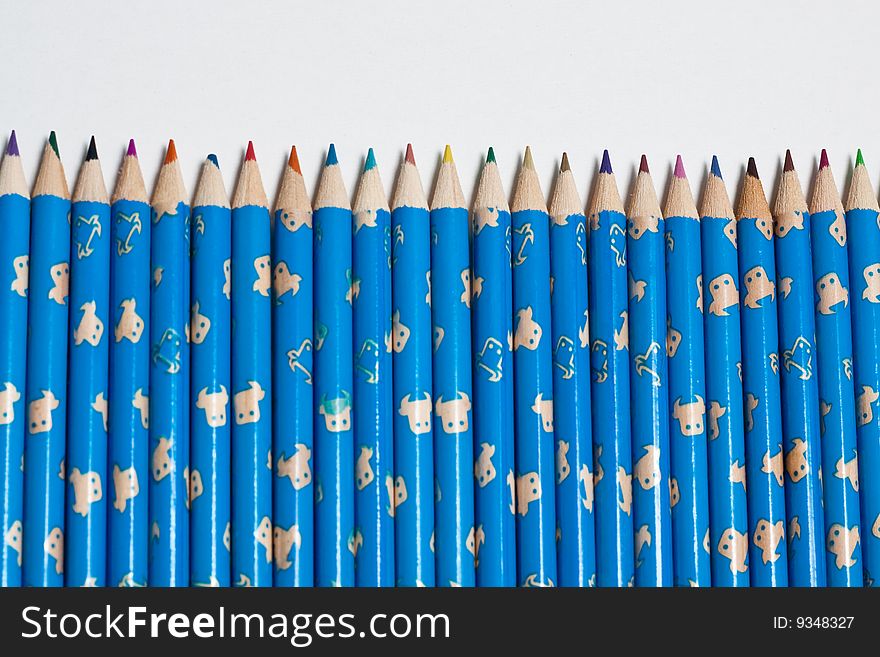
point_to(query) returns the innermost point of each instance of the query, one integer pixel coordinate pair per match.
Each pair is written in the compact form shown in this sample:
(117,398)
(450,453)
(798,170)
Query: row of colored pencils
(413,394)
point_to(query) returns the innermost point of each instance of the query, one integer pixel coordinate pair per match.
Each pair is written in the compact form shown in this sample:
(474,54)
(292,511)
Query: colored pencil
(533,382)
(210,428)
(128,440)
(688,478)
(410,340)
(85,545)
(494,543)
(838,455)
(652,519)
(168,553)
(453,288)
(609,365)
(45,443)
(373,412)
(760,378)
(800,394)
(576,539)
(292,402)
(863,233)
(251,377)
(335,537)
(727,540)
(14,254)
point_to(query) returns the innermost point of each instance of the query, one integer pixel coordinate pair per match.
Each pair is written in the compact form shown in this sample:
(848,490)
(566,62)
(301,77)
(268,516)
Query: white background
(750,77)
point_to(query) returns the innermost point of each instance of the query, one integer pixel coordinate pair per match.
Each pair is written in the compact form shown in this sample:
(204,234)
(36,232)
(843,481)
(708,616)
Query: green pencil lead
(490,157)
(53,142)
(859,159)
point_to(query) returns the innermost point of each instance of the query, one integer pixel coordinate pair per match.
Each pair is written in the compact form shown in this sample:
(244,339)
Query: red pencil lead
(250,156)
(823,160)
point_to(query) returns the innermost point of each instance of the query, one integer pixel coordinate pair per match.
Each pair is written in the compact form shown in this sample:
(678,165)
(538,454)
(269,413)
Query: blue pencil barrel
(761,395)
(210,385)
(452,286)
(168,552)
(837,404)
(128,440)
(45,444)
(800,393)
(373,412)
(14,250)
(863,233)
(652,520)
(576,549)
(335,538)
(689,480)
(251,378)
(609,365)
(534,480)
(85,532)
(293,492)
(495,533)
(413,484)
(727,540)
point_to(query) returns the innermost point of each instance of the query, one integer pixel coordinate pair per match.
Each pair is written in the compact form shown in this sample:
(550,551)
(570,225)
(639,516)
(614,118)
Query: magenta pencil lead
(132,150)
(823,160)
(679,168)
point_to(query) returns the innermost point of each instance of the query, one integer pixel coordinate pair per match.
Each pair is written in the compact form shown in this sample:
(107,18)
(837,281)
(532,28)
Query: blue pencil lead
(331,156)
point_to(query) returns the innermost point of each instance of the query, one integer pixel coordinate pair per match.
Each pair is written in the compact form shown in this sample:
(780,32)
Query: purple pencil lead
(12,146)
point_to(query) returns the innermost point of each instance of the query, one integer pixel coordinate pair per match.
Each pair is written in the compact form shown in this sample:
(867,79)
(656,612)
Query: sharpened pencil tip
(213,160)
(447,155)
(331,156)
(171,153)
(606,163)
(92,153)
(293,160)
(12,146)
(752,169)
(823,160)
(250,156)
(679,168)
(53,143)
(643,164)
(528,162)
(132,149)
(409,155)
(716,169)
(789,163)
(859,159)
(565,166)
(490,156)
(371,161)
